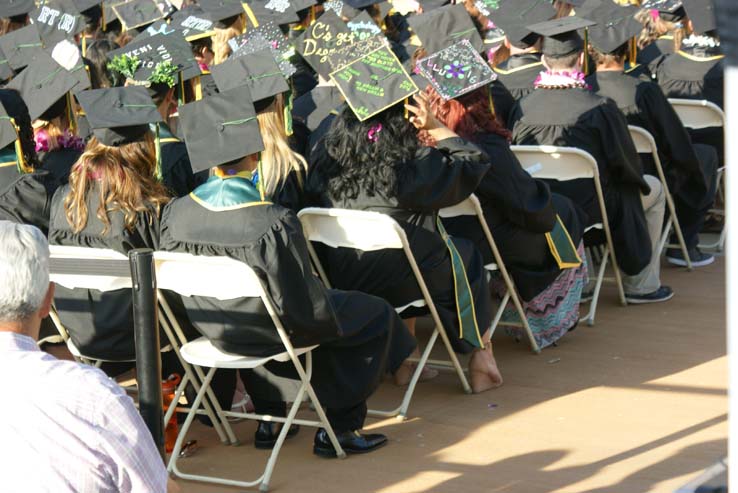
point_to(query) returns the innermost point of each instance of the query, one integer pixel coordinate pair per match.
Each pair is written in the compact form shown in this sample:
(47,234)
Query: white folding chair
(102,278)
(564,164)
(697,114)
(370,231)
(471,207)
(645,144)
(224,278)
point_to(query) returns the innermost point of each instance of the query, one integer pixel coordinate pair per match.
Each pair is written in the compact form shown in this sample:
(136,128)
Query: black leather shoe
(352,442)
(266,434)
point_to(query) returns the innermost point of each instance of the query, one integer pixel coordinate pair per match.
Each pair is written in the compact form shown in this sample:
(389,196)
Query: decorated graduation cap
(456,70)
(666,6)
(445,26)
(374,82)
(42,84)
(300,5)
(702,15)
(137,13)
(13,8)
(222,12)
(340,8)
(258,71)
(322,39)
(278,11)
(560,36)
(220,129)
(363,26)
(56,20)
(119,115)
(616,25)
(514,16)
(193,22)
(67,54)
(313,107)
(21,46)
(151,52)
(266,36)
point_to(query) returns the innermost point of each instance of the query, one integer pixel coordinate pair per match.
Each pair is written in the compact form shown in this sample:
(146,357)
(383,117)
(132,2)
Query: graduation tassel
(585,68)
(491,102)
(180,96)
(102,17)
(288,114)
(70,113)
(20,160)
(407,113)
(312,14)
(259,178)
(198,88)
(633,52)
(157,141)
(84,45)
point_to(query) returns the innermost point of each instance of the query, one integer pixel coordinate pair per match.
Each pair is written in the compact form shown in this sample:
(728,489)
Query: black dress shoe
(266,434)
(352,442)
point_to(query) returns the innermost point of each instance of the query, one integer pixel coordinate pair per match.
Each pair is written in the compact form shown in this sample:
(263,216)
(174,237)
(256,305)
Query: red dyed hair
(468,116)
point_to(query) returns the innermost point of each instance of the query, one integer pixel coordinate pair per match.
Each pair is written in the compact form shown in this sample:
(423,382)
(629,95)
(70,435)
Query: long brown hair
(125,178)
(221,49)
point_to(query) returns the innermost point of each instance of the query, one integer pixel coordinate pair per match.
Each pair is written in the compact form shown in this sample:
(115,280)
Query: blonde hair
(278,159)
(55,129)
(126,183)
(221,49)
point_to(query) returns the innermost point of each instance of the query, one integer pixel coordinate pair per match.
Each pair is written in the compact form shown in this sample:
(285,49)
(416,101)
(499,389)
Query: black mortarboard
(258,71)
(456,70)
(340,8)
(487,7)
(21,46)
(514,15)
(431,5)
(137,13)
(67,54)
(5,71)
(702,15)
(193,22)
(322,39)
(361,4)
(667,6)
(576,3)
(8,132)
(157,49)
(300,5)
(445,26)
(119,115)
(83,5)
(42,84)
(56,20)
(12,8)
(278,11)
(560,36)
(222,12)
(313,107)
(220,129)
(616,25)
(266,36)
(363,26)
(374,82)
(351,52)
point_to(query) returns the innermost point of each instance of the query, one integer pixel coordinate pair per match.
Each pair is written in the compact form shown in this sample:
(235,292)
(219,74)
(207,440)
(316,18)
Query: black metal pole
(146,330)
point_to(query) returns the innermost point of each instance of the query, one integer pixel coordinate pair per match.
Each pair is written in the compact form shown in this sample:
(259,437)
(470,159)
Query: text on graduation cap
(48,16)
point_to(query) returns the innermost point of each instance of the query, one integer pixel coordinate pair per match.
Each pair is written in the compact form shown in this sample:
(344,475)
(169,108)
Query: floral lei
(552,79)
(65,141)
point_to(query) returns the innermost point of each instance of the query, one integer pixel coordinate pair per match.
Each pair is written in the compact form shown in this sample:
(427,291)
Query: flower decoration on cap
(164,73)
(125,64)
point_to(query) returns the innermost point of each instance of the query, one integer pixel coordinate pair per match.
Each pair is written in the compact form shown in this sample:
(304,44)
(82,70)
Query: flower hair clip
(373,133)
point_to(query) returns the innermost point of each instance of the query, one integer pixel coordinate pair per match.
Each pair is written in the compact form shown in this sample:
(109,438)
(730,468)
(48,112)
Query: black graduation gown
(515,78)
(360,336)
(660,46)
(176,170)
(645,106)
(519,210)
(59,163)
(27,199)
(100,324)
(437,178)
(578,118)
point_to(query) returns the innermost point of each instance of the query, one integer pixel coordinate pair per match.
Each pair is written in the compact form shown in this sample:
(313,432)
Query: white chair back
(643,140)
(467,207)
(698,114)
(222,278)
(90,278)
(362,230)
(556,163)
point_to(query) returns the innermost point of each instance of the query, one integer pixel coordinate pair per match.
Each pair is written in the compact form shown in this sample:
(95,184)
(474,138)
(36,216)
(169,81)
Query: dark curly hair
(16,108)
(348,162)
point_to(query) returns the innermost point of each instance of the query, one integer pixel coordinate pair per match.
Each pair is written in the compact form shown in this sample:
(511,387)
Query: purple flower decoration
(455,70)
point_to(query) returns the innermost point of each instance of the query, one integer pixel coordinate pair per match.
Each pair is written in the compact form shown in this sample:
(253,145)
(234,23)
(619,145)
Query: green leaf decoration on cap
(164,73)
(125,64)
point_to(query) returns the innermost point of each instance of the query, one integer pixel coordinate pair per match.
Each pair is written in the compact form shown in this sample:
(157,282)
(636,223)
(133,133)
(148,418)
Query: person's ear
(544,61)
(48,300)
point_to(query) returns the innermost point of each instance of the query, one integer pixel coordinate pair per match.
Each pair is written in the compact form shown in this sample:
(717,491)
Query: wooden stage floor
(635,404)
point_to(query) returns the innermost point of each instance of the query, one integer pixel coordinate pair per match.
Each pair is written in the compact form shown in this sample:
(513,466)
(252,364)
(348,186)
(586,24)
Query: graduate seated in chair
(690,169)
(233,215)
(563,112)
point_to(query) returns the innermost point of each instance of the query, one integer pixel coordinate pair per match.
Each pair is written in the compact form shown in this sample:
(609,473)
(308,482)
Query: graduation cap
(68,55)
(42,83)
(21,46)
(666,6)
(313,107)
(300,5)
(258,71)
(456,70)
(119,115)
(560,35)
(278,11)
(56,20)
(5,71)
(340,8)
(616,25)
(514,15)
(702,15)
(155,50)
(137,13)
(83,5)
(13,8)
(445,26)
(266,36)
(486,7)
(430,5)
(363,26)
(374,82)
(222,12)
(10,133)
(220,129)
(193,22)
(322,39)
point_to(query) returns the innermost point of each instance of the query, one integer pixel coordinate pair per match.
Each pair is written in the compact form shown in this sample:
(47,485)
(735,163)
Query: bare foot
(483,372)
(405,372)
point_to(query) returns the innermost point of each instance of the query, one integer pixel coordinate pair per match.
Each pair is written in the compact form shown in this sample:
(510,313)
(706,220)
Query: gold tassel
(71,116)
(84,45)
(22,166)
(198,88)
(633,52)
(312,14)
